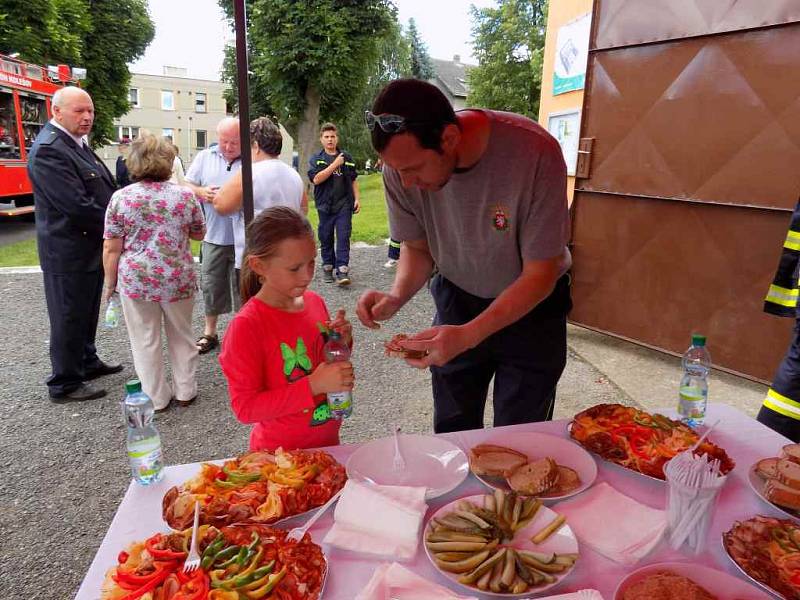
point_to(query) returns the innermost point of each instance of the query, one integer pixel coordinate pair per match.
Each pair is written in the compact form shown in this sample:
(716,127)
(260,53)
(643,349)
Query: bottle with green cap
(144,443)
(693,391)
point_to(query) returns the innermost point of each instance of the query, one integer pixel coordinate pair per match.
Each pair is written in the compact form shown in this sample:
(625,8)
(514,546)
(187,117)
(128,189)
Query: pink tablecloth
(745,440)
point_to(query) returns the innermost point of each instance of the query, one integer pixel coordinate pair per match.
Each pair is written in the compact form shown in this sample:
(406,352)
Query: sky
(193,33)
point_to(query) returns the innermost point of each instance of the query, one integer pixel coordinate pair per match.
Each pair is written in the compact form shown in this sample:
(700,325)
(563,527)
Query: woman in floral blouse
(148,260)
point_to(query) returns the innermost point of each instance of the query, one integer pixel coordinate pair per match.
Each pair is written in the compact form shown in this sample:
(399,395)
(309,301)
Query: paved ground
(64,468)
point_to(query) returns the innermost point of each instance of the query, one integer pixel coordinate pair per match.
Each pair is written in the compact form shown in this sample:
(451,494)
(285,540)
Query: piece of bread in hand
(534,477)
(395,350)
(495,461)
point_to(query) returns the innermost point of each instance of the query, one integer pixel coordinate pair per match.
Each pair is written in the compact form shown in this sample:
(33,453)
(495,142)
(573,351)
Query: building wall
(184,120)
(559,13)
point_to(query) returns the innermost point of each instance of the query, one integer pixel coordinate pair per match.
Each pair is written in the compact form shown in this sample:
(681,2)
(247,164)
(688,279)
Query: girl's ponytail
(264,234)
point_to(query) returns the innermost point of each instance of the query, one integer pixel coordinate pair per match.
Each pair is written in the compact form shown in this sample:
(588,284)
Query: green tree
(509,46)
(312,58)
(421,66)
(102,36)
(393,62)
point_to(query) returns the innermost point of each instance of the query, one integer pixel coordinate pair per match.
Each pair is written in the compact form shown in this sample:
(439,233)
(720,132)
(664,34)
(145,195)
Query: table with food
(615,503)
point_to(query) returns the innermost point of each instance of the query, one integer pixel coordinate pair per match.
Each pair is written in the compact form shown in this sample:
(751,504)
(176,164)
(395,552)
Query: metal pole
(240,25)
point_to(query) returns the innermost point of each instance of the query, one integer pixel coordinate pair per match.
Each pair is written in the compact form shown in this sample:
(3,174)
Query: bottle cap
(132,386)
(698,340)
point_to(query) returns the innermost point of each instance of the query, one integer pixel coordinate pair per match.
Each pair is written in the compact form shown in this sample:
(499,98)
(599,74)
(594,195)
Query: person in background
(337,197)
(121,168)
(274,182)
(272,354)
(781,408)
(148,260)
(500,246)
(177,175)
(393,254)
(209,171)
(71,189)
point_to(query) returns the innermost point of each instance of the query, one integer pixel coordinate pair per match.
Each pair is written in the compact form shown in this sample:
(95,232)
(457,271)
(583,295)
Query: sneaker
(390,264)
(343,276)
(327,274)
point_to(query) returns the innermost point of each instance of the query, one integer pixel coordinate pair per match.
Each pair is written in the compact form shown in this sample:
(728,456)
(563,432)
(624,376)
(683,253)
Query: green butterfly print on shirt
(294,359)
(322,414)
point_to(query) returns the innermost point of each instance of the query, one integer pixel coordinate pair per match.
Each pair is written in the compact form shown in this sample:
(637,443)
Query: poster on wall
(566,128)
(572,50)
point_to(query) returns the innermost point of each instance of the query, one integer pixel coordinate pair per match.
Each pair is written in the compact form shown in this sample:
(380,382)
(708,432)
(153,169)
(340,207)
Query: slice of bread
(568,480)
(534,477)
(395,350)
(792,452)
(789,473)
(767,468)
(495,463)
(782,495)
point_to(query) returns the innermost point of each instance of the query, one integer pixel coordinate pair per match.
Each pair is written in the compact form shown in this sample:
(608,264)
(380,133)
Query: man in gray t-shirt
(481,195)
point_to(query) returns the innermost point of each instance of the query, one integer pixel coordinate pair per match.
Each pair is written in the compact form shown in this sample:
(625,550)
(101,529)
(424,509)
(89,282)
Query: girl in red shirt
(272,353)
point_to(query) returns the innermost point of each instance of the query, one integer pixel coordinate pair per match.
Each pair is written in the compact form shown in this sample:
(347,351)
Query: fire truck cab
(25,93)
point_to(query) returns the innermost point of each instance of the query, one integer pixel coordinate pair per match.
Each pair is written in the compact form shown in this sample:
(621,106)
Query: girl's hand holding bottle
(342,326)
(332,377)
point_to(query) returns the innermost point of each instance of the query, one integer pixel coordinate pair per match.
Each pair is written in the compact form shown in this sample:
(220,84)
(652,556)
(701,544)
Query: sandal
(206,343)
(185,403)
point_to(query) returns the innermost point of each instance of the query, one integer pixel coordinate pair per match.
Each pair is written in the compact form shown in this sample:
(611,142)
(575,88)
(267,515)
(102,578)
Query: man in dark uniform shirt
(123,177)
(71,189)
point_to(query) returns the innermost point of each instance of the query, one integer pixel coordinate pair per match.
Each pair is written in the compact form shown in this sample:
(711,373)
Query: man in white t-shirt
(274,183)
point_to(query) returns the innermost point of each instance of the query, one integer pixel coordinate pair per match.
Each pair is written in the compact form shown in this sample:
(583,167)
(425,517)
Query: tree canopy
(102,36)
(421,65)
(509,46)
(311,59)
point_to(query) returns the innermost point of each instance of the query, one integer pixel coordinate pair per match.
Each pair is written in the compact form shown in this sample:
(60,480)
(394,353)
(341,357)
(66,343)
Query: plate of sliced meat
(533,464)
(777,480)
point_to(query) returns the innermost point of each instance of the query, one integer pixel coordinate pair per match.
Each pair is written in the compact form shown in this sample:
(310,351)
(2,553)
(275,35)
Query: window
(167,100)
(133,97)
(127,131)
(200,102)
(9,146)
(169,134)
(201,138)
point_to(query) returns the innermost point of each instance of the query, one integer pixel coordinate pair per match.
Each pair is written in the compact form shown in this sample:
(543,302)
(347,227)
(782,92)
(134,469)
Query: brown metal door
(693,109)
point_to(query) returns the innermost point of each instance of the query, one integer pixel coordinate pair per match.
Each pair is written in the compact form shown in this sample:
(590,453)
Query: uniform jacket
(783,293)
(70,191)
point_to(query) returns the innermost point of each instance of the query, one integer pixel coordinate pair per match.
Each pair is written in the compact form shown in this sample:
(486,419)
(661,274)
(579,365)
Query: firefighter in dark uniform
(781,408)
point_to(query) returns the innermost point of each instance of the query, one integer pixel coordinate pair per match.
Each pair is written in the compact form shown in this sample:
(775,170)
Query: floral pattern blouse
(154,219)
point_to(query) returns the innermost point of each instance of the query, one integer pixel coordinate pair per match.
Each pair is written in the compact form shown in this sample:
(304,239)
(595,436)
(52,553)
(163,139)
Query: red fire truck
(25,93)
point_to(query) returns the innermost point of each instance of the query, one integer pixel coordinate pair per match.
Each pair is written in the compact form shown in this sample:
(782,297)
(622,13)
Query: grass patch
(370,225)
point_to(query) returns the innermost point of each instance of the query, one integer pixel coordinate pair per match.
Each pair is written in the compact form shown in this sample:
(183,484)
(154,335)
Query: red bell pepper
(150,586)
(160,553)
(128,578)
(195,587)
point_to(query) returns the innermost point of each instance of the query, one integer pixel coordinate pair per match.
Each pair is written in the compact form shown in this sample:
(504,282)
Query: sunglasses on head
(388,123)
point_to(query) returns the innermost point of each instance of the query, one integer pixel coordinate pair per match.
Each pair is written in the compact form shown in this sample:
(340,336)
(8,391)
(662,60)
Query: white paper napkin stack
(611,523)
(380,520)
(392,581)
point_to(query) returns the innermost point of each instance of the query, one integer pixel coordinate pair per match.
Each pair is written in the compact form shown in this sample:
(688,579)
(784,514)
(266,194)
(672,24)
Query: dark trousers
(341,224)
(526,360)
(783,398)
(394,249)
(73,305)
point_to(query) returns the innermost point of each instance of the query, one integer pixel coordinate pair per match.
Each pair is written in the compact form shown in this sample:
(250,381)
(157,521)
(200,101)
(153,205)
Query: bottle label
(340,401)
(692,402)
(145,459)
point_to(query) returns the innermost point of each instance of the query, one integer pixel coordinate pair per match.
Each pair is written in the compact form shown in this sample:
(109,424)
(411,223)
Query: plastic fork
(193,560)
(398,462)
(297,533)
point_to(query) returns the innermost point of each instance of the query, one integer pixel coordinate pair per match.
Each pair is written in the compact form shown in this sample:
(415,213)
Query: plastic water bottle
(340,403)
(113,311)
(693,392)
(144,443)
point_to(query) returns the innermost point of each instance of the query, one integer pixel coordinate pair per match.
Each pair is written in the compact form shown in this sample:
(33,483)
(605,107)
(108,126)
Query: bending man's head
(228,138)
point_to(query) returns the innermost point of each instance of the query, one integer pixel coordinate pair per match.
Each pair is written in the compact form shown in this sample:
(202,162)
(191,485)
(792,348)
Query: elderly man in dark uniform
(71,189)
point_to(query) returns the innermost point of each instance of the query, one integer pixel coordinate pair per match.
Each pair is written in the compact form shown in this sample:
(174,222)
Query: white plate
(432,462)
(758,487)
(538,445)
(715,582)
(562,541)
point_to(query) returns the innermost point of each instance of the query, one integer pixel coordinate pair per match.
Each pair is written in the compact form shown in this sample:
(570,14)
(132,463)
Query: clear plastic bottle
(340,403)
(693,391)
(113,311)
(144,443)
